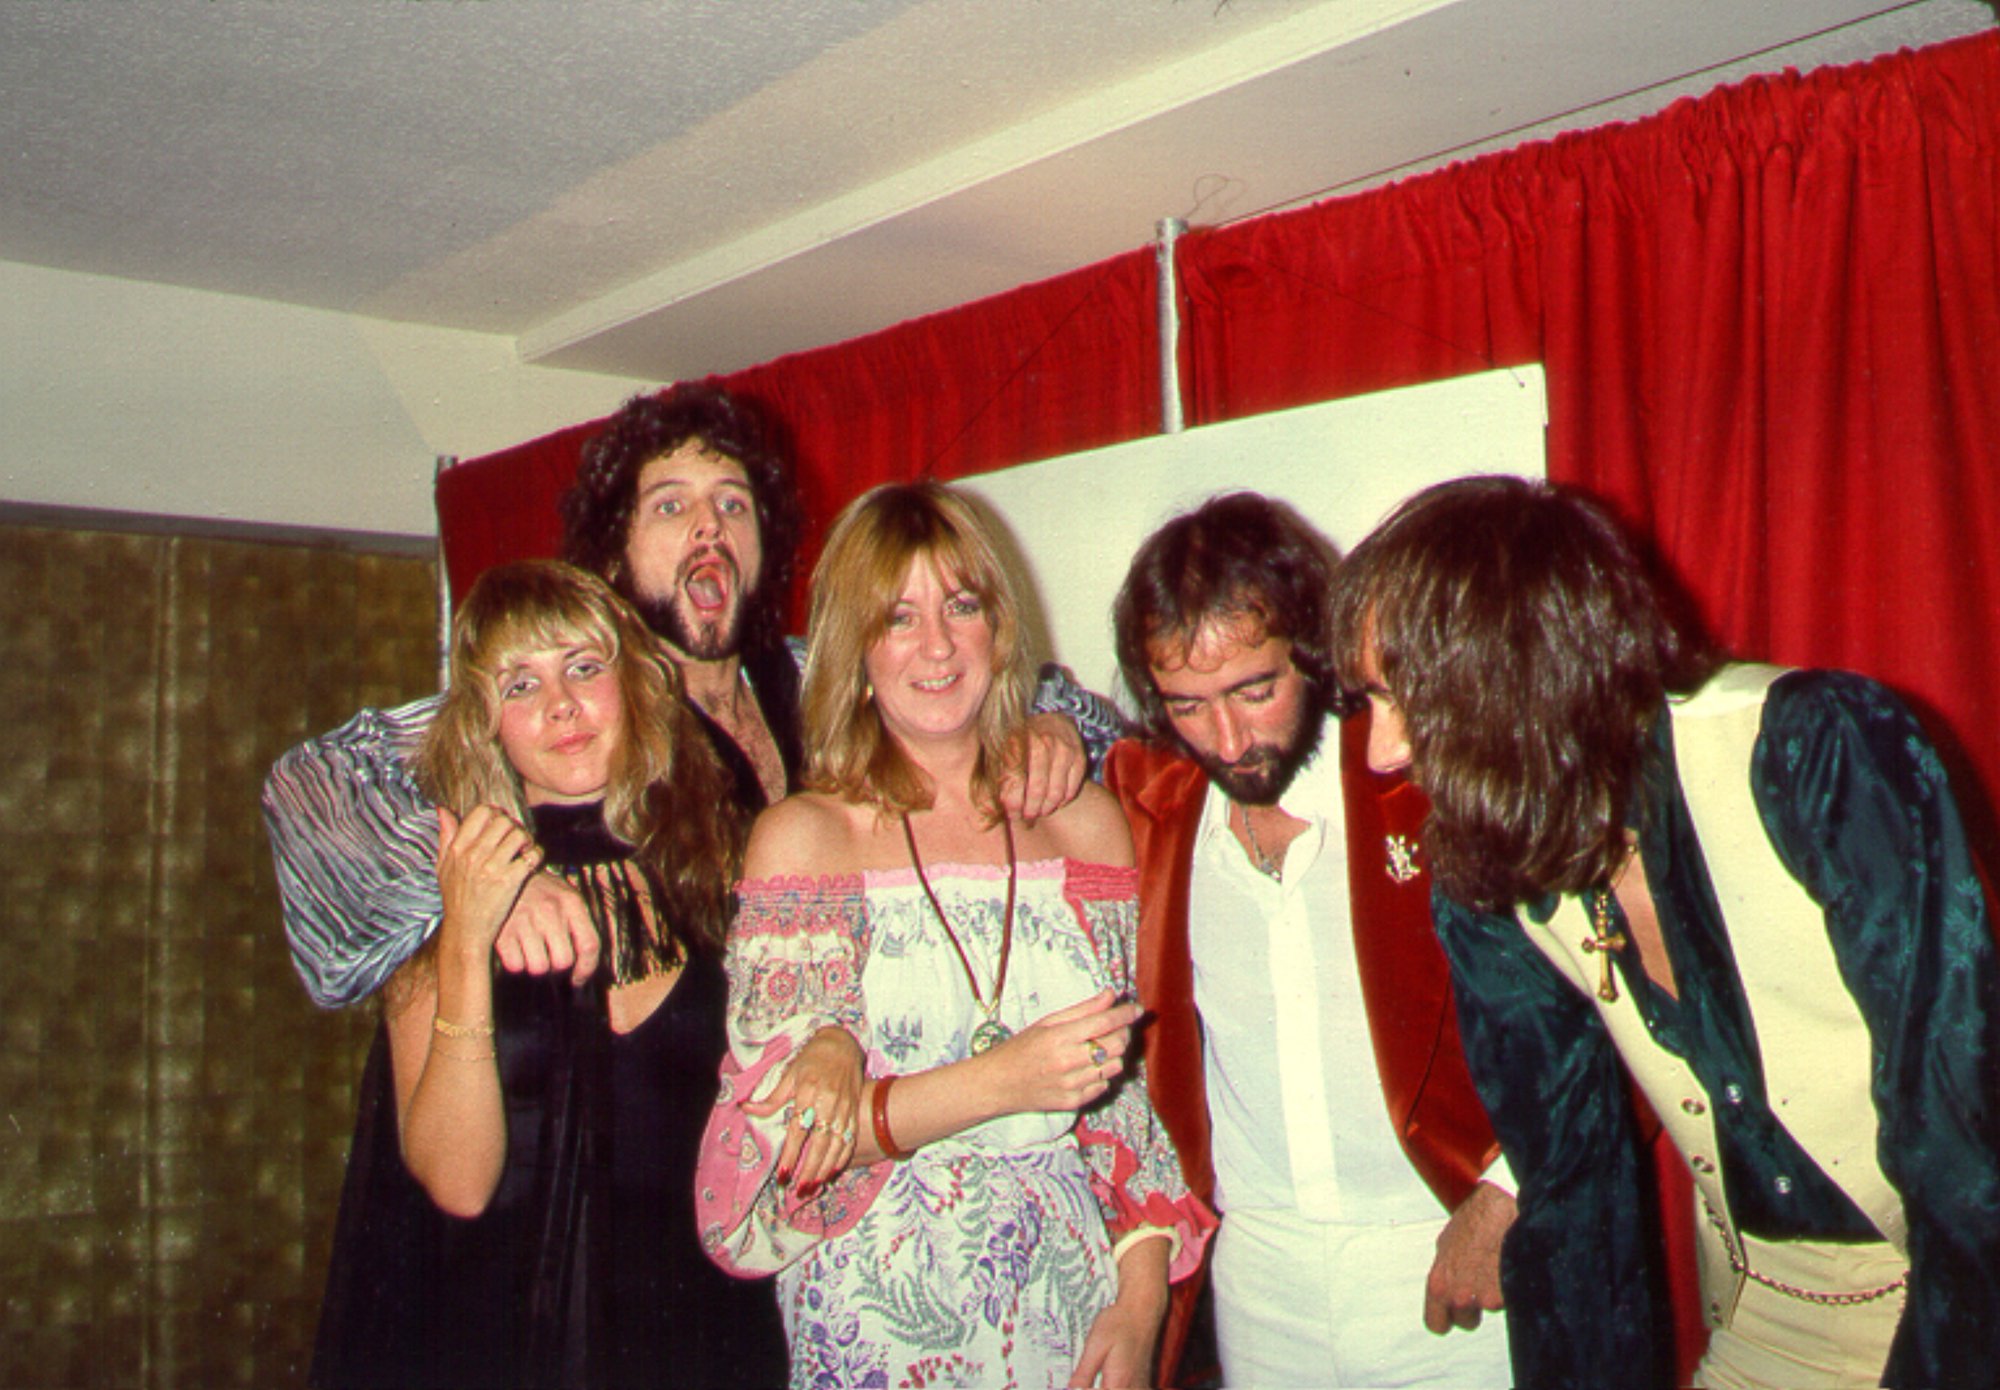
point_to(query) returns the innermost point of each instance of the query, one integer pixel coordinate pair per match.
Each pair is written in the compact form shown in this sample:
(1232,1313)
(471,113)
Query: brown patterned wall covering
(174,1114)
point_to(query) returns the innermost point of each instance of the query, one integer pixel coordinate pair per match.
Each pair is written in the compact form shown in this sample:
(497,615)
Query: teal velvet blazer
(1854,799)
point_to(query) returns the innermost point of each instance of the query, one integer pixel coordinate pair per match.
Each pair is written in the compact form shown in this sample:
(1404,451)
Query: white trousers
(1305,1303)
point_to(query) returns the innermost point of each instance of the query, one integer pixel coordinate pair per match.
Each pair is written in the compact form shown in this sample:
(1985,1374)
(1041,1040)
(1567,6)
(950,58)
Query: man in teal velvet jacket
(1751,887)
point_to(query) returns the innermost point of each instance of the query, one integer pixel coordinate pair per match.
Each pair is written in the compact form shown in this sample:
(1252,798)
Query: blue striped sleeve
(1098,721)
(355,846)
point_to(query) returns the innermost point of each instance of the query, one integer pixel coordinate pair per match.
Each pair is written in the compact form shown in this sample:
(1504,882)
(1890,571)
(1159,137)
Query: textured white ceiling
(667,188)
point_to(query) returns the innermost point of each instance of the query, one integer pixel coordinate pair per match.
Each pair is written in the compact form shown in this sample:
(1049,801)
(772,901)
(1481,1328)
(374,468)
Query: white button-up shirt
(1294,1095)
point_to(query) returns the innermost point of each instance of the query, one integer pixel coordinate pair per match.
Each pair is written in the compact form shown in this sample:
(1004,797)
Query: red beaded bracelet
(878,1111)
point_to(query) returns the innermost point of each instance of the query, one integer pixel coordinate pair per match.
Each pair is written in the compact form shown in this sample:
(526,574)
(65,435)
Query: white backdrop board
(1075,521)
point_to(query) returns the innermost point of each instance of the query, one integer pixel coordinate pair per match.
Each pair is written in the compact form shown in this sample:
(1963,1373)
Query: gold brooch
(1403,866)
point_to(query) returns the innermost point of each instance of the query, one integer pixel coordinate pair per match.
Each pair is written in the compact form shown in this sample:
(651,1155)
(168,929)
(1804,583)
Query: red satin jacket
(1405,983)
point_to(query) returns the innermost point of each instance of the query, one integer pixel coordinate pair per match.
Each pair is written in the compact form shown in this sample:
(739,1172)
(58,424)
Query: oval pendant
(989,1035)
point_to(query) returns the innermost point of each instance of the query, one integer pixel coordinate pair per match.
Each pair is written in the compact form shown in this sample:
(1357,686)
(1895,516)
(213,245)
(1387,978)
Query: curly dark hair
(1528,647)
(597,508)
(1240,555)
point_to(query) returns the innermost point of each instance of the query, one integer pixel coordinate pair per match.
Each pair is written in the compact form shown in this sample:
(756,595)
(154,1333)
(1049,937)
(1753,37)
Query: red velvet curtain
(1065,364)
(502,506)
(1769,320)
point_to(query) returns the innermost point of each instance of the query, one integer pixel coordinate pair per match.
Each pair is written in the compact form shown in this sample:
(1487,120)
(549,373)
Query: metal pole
(444,461)
(1168,232)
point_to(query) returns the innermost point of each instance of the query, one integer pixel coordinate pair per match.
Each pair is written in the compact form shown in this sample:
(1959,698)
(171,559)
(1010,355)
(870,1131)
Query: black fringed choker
(580,849)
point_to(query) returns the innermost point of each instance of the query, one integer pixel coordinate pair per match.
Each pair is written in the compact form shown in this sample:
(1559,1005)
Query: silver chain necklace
(1266,865)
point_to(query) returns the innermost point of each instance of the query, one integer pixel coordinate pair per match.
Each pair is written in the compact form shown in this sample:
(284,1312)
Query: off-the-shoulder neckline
(1064,866)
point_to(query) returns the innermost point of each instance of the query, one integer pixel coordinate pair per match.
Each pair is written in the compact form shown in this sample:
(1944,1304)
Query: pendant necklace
(1606,938)
(992,1032)
(1605,941)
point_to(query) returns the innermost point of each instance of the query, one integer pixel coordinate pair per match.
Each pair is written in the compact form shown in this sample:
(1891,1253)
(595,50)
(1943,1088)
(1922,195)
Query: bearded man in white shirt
(1303,1050)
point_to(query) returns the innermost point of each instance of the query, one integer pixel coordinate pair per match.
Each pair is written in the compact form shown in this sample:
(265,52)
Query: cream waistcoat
(1811,1038)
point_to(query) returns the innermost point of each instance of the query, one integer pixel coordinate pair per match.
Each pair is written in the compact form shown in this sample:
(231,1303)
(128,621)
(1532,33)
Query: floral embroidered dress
(985,1257)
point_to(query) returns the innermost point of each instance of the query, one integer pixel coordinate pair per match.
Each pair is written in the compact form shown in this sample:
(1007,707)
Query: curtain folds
(503,506)
(1064,364)
(1768,319)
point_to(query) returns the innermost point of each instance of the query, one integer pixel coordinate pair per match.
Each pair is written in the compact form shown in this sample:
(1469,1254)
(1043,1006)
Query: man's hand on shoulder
(1464,1281)
(1046,767)
(549,929)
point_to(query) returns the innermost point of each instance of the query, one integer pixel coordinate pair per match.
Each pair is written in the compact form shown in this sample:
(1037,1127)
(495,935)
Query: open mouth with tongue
(707,582)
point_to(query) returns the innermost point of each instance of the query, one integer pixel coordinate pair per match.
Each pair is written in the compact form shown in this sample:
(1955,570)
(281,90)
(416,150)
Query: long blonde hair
(856,586)
(668,796)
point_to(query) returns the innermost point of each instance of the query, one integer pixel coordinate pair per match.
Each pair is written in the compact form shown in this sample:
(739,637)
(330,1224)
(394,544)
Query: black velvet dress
(585,1269)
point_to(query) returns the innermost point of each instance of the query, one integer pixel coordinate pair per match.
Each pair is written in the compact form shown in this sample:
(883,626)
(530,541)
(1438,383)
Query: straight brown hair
(1529,650)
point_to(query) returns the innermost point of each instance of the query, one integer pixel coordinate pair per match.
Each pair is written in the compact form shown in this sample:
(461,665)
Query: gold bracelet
(438,1049)
(461,1030)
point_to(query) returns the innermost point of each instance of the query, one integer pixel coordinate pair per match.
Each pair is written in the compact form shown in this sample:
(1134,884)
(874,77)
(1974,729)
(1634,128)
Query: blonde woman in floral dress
(991,1201)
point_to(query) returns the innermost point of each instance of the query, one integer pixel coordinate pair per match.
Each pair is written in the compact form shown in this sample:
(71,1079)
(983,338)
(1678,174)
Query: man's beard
(698,636)
(1265,772)
(709,639)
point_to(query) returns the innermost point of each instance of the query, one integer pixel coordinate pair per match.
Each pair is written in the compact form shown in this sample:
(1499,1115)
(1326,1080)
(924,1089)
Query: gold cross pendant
(1604,943)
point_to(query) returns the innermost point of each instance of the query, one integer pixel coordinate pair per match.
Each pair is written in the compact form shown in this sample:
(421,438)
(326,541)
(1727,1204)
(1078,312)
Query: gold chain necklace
(992,1032)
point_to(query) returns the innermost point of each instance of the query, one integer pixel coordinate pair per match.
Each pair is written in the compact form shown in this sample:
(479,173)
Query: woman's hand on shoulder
(483,863)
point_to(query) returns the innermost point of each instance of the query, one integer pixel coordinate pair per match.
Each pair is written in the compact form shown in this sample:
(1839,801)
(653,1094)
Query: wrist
(1142,1273)
(468,953)
(1144,1299)
(468,967)
(833,1035)
(984,1082)
(465,976)
(457,941)
(878,1113)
